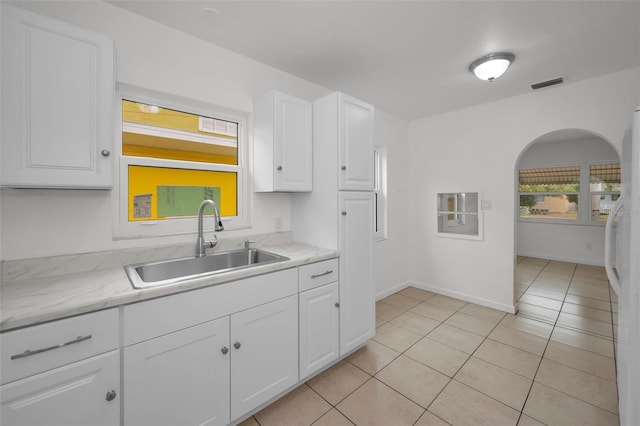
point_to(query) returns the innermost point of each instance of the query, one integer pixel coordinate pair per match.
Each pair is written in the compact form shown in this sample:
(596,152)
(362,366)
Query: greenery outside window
(174,153)
(549,193)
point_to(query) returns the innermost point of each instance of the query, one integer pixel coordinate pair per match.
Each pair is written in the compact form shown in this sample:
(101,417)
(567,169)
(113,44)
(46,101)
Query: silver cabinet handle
(279,168)
(111,395)
(322,274)
(344,213)
(237,345)
(105,152)
(224,350)
(344,167)
(337,305)
(30,352)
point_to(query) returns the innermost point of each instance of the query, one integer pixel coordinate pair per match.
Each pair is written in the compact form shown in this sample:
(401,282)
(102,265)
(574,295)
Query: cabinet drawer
(317,274)
(42,347)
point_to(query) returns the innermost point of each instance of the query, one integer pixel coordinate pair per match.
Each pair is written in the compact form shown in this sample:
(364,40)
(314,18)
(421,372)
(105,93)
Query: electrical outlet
(277,224)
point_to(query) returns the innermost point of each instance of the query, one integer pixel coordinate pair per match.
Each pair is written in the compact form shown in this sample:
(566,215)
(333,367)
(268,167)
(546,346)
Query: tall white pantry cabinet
(339,212)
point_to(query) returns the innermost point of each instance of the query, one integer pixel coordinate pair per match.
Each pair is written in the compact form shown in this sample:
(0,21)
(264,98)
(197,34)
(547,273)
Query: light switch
(486,204)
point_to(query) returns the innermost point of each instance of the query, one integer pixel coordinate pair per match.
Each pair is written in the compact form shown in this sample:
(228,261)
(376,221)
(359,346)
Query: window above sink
(173,153)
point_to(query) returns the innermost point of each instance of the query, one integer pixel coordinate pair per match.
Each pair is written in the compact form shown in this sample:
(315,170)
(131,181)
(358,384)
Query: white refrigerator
(624,275)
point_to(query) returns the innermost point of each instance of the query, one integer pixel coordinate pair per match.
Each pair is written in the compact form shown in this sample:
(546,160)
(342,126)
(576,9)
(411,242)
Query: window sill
(563,222)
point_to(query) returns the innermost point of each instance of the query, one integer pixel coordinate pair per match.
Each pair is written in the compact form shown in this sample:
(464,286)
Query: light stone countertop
(37,296)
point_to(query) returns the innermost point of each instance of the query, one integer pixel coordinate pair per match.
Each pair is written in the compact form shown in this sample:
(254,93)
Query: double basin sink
(153,274)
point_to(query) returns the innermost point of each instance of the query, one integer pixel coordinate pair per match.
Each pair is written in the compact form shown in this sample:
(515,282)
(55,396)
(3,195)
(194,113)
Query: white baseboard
(390,291)
(512,309)
(561,259)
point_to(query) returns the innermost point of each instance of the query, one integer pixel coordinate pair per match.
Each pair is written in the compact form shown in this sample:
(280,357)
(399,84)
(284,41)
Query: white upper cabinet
(282,135)
(355,150)
(57,104)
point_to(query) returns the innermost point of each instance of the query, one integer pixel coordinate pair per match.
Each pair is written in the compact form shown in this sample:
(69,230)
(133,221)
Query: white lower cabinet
(82,393)
(319,328)
(181,378)
(214,372)
(264,358)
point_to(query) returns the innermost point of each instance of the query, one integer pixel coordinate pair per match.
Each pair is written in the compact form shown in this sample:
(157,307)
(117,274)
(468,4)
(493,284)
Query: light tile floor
(437,360)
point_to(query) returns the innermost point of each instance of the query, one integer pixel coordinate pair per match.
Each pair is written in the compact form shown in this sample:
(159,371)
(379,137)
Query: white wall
(53,222)
(37,223)
(391,256)
(478,148)
(566,242)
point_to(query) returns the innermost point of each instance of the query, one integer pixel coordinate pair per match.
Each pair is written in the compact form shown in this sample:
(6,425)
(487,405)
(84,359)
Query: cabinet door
(57,103)
(319,328)
(292,157)
(357,307)
(264,353)
(181,378)
(282,147)
(82,393)
(355,140)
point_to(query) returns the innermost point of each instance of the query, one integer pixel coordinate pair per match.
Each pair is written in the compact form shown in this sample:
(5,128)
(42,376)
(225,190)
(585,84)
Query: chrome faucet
(202,245)
(247,243)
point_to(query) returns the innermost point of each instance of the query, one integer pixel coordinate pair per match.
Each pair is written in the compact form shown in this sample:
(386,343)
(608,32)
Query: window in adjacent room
(549,193)
(173,157)
(459,215)
(604,188)
(380,193)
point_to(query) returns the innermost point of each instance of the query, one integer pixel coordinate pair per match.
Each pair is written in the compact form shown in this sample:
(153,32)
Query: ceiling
(411,58)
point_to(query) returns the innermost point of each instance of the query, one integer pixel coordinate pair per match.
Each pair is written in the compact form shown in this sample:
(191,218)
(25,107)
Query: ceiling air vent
(543,84)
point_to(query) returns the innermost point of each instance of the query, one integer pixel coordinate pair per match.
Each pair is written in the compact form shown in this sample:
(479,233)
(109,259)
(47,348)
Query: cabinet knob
(105,152)
(343,168)
(337,304)
(225,350)
(111,395)
(344,213)
(279,168)
(237,345)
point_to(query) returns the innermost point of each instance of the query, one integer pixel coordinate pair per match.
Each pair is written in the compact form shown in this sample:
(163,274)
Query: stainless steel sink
(153,274)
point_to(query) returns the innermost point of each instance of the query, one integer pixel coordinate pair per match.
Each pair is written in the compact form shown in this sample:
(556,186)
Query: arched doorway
(566,181)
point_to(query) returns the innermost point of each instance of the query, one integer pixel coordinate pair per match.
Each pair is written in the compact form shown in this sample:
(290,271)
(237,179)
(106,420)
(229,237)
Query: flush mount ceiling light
(491,66)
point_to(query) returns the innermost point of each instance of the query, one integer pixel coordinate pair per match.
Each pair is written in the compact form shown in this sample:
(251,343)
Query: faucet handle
(247,243)
(211,243)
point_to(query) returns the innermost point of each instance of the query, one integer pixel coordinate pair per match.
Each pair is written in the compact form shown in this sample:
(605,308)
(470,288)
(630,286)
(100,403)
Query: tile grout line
(452,378)
(542,358)
(412,345)
(533,381)
(464,363)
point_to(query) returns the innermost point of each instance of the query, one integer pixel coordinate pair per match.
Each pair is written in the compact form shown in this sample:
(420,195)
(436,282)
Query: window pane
(155,132)
(549,206)
(465,224)
(601,205)
(466,202)
(605,177)
(552,179)
(458,213)
(157,193)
